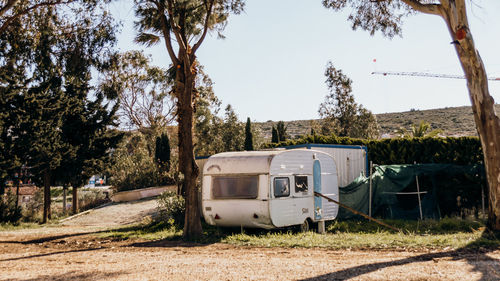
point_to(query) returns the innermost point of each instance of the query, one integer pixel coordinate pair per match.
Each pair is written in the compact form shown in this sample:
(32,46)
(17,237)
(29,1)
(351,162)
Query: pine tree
(60,134)
(248,136)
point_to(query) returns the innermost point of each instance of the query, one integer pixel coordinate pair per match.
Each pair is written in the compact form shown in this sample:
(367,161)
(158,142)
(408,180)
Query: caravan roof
(251,162)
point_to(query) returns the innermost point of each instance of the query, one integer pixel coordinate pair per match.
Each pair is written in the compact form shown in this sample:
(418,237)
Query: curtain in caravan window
(235,187)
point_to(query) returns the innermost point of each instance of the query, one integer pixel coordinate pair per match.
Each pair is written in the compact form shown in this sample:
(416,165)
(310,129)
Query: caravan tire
(304,227)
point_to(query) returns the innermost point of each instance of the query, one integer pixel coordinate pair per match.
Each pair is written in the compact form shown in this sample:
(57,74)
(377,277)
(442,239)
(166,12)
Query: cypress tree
(274,135)
(248,136)
(162,152)
(281,131)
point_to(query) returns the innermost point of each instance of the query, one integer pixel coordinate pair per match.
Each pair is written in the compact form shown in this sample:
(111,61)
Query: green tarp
(394,190)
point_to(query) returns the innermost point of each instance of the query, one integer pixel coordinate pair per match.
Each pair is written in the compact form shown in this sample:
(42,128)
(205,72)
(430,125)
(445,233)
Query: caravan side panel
(351,160)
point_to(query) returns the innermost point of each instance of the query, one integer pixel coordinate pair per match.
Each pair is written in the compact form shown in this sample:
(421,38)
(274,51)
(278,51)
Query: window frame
(274,187)
(306,190)
(254,196)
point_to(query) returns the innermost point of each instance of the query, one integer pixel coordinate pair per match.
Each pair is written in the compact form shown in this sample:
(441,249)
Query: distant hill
(454,121)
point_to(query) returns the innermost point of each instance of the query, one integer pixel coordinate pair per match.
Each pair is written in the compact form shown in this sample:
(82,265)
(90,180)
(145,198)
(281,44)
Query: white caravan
(269,189)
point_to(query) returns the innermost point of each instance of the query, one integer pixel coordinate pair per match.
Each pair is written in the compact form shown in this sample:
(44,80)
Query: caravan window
(300,184)
(281,187)
(235,187)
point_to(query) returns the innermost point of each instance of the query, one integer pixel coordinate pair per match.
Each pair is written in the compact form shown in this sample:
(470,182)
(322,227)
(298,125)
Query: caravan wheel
(304,227)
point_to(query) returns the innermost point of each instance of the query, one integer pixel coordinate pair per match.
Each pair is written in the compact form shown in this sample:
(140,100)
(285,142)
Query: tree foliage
(281,131)
(341,114)
(57,119)
(386,16)
(232,131)
(248,136)
(420,131)
(143,90)
(274,135)
(187,22)
(162,152)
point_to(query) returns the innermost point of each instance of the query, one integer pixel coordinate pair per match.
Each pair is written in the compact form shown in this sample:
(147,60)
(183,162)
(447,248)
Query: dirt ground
(73,252)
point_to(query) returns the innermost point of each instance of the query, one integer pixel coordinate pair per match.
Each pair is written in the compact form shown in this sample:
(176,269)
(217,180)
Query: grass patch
(23,225)
(443,226)
(444,234)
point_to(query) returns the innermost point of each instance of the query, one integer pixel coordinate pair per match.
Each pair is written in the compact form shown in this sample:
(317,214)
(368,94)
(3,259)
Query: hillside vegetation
(453,121)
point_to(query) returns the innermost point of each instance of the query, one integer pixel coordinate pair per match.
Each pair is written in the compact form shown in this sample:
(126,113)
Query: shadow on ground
(473,253)
(54,253)
(74,275)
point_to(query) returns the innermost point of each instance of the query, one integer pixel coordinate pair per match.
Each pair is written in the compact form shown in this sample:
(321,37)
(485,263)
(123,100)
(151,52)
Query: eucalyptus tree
(386,16)
(14,10)
(143,91)
(207,123)
(341,114)
(233,137)
(183,26)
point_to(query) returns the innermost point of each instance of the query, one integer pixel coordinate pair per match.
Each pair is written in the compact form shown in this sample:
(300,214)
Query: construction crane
(425,74)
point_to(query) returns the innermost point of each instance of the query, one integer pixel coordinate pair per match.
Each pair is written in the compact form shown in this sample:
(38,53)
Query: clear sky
(271,64)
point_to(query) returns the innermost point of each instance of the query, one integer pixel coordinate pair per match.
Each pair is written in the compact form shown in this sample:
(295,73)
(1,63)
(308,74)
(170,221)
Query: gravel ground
(73,252)
(115,214)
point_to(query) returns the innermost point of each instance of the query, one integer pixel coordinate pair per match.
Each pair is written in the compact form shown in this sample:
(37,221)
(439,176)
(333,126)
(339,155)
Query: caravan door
(318,206)
(282,204)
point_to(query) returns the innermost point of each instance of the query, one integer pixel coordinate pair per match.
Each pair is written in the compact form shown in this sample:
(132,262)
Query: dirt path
(115,214)
(74,252)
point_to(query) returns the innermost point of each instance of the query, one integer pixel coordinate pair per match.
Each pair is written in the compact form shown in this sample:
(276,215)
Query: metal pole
(65,189)
(370,192)
(418,195)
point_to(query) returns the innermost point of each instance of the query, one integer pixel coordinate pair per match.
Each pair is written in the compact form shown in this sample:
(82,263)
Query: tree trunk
(487,122)
(187,166)
(2,186)
(46,196)
(75,200)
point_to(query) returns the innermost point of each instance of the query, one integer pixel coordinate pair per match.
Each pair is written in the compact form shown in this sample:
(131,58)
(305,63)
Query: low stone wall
(132,195)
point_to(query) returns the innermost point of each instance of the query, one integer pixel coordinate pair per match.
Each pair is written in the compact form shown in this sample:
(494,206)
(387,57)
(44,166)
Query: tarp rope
(356,212)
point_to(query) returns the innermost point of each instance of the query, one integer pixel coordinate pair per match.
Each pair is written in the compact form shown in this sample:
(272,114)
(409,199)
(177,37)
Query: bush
(91,198)
(33,209)
(171,208)
(8,211)
(449,150)
(134,166)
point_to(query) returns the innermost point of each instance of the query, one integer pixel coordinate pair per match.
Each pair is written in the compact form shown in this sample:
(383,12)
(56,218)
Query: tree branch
(166,33)
(175,27)
(8,6)
(205,26)
(432,9)
(27,10)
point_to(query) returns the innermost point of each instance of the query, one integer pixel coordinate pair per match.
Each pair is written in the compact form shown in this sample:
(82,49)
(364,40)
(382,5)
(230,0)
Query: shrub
(33,209)
(134,166)
(449,150)
(91,199)
(171,208)
(8,210)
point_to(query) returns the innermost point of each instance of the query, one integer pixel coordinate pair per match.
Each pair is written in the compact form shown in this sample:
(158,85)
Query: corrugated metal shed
(351,160)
